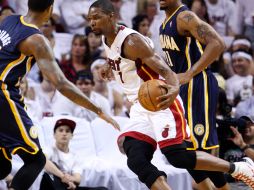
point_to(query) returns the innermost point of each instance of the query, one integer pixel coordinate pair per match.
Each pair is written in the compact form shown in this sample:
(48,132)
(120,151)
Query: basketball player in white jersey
(132,61)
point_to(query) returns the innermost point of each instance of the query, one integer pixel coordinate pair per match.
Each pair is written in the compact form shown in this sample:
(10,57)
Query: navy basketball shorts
(200,101)
(17,131)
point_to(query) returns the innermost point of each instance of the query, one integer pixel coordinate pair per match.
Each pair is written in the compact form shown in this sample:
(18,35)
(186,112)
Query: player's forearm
(74,94)
(212,51)
(171,78)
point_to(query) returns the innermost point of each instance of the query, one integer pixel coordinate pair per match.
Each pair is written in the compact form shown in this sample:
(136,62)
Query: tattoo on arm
(205,33)
(187,18)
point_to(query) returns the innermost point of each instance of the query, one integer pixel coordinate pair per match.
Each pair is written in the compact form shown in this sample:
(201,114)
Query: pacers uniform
(200,94)
(16,129)
(166,127)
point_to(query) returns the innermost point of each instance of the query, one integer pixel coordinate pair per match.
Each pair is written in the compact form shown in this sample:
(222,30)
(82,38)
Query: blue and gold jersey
(181,52)
(200,94)
(13,64)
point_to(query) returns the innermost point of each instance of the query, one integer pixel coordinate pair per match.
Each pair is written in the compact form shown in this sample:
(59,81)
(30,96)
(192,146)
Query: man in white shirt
(62,162)
(241,81)
(222,16)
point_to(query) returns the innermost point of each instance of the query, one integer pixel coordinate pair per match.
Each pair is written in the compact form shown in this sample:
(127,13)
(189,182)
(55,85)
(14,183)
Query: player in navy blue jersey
(21,44)
(183,37)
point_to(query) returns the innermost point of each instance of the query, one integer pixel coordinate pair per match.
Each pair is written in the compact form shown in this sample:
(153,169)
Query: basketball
(148,92)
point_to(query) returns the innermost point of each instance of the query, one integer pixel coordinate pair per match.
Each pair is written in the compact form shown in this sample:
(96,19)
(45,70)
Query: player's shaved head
(39,5)
(105,5)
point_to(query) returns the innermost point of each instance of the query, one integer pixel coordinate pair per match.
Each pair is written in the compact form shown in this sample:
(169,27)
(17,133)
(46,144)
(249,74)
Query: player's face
(98,20)
(165,4)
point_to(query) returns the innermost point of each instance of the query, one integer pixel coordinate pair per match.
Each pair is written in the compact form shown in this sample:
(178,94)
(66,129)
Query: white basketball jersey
(128,73)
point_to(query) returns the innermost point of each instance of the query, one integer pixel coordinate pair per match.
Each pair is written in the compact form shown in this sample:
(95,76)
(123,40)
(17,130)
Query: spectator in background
(241,147)
(46,94)
(199,7)
(222,16)
(30,101)
(107,89)
(141,24)
(246,107)
(63,163)
(74,14)
(244,22)
(94,42)
(80,58)
(240,42)
(6,11)
(241,80)
(85,83)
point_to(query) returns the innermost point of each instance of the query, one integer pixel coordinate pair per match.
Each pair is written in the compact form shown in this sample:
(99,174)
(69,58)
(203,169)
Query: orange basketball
(148,92)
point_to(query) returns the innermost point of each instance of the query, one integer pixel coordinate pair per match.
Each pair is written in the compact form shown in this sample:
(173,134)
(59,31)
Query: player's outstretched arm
(38,46)
(136,47)
(188,24)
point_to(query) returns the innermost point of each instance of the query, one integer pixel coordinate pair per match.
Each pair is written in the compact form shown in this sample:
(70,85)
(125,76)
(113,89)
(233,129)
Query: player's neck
(110,37)
(172,9)
(33,18)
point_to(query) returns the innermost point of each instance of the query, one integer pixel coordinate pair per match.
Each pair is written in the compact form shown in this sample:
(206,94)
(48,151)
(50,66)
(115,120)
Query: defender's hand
(110,120)
(167,99)
(184,78)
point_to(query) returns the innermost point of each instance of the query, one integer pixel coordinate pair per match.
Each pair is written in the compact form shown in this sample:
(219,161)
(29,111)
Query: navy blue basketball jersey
(13,64)
(200,94)
(181,52)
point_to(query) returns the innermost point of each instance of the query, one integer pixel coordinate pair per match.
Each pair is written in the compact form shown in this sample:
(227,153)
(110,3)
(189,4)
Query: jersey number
(168,59)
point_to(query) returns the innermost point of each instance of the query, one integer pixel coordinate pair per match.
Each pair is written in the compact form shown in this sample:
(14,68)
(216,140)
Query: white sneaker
(244,172)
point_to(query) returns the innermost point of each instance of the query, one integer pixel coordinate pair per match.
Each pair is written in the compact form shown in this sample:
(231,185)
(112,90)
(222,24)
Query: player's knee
(145,170)
(38,159)
(180,157)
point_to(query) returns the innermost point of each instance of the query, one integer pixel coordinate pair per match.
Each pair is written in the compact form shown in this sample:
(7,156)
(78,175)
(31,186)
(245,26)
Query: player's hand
(167,99)
(184,78)
(110,120)
(106,72)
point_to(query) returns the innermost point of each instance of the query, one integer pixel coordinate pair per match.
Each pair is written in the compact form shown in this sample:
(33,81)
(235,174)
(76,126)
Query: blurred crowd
(80,55)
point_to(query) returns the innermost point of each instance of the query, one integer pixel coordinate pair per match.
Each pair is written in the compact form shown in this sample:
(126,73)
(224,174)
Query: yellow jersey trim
(187,52)
(206,110)
(5,154)
(27,24)
(199,47)
(11,65)
(165,22)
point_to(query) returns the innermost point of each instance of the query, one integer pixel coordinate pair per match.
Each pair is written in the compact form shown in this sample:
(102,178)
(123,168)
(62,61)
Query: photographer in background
(236,137)
(245,139)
